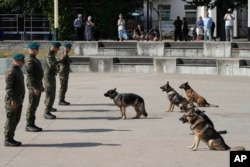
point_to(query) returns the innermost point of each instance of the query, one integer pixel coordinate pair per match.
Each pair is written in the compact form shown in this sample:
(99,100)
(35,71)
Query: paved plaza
(88,133)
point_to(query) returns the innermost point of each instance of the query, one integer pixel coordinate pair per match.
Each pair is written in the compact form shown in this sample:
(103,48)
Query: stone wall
(152,57)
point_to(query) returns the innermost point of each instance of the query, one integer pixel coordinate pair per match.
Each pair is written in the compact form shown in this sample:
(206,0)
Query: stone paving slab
(88,132)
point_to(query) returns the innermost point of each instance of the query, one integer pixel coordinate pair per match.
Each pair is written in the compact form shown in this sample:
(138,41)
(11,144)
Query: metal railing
(26,26)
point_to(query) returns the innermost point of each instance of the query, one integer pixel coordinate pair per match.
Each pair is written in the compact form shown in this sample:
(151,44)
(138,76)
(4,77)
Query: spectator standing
(89,29)
(229,19)
(1,31)
(207,27)
(64,69)
(178,28)
(199,28)
(139,33)
(50,71)
(35,86)
(185,29)
(212,31)
(122,34)
(78,25)
(15,92)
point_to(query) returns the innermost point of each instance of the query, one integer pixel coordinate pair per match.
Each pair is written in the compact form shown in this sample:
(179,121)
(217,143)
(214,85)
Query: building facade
(173,8)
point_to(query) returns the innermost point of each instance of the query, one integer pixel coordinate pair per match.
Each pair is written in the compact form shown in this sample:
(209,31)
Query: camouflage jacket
(50,64)
(15,87)
(34,72)
(64,65)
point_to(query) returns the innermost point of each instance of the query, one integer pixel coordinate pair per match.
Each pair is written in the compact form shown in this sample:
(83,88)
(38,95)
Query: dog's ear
(186,83)
(114,89)
(167,83)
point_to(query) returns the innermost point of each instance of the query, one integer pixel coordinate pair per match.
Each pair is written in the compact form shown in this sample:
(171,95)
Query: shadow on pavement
(85,130)
(69,145)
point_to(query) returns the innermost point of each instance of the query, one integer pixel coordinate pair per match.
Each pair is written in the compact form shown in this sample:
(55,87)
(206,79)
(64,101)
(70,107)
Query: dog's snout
(183,119)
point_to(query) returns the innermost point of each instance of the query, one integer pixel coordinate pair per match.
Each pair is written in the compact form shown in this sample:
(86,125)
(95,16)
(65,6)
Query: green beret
(18,56)
(67,45)
(34,45)
(56,44)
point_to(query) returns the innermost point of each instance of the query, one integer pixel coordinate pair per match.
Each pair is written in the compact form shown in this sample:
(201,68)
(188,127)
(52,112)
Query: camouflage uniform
(15,91)
(64,76)
(34,81)
(50,72)
(64,69)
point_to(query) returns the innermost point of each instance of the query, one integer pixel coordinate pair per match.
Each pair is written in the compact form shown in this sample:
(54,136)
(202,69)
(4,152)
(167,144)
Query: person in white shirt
(229,19)
(122,34)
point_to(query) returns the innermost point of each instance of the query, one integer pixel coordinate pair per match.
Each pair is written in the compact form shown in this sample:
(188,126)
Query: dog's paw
(194,149)
(123,117)
(190,147)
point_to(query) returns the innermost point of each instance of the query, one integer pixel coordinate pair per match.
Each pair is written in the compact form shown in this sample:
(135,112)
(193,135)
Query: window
(191,13)
(165,12)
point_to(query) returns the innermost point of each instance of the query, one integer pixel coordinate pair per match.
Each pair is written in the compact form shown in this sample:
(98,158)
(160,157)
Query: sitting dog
(174,98)
(192,107)
(193,96)
(205,132)
(123,100)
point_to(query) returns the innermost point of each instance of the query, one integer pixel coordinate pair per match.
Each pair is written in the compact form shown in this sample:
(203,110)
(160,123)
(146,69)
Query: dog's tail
(238,148)
(211,105)
(143,110)
(222,132)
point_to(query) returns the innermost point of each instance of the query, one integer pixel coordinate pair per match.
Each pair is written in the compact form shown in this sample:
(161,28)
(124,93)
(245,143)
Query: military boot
(33,128)
(53,109)
(48,115)
(63,103)
(12,143)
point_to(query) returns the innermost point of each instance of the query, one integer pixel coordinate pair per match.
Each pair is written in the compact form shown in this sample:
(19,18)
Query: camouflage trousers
(32,107)
(63,88)
(12,117)
(50,91)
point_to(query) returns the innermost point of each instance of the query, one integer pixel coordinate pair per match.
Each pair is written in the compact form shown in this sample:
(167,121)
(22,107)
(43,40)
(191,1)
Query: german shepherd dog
(192,107)
(203,131)
(123,100)
(193,96)
(174,98)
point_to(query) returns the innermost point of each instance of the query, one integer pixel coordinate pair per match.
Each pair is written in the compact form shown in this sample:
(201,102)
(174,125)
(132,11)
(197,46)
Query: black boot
(33,128)
(53,109)
(48,115)
(63,103)
(12,143)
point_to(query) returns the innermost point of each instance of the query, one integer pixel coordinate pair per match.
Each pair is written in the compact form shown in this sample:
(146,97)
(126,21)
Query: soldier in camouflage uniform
(35,86)
(15,91)
(64,69)
(50,72)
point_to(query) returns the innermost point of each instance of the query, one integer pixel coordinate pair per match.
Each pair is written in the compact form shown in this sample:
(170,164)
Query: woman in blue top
(199,28)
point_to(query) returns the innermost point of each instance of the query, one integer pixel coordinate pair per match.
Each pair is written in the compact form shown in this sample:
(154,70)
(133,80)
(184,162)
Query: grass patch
(41,54)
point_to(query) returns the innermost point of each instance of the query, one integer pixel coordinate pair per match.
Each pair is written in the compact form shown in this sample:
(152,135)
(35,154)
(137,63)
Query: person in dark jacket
(178,29)
(185,29)
(50,72)
(64,69)
(15,92)
(35,86)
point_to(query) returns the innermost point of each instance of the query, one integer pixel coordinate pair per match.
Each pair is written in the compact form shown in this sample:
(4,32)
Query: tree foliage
(218,3)
(104,12)
(46,7)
